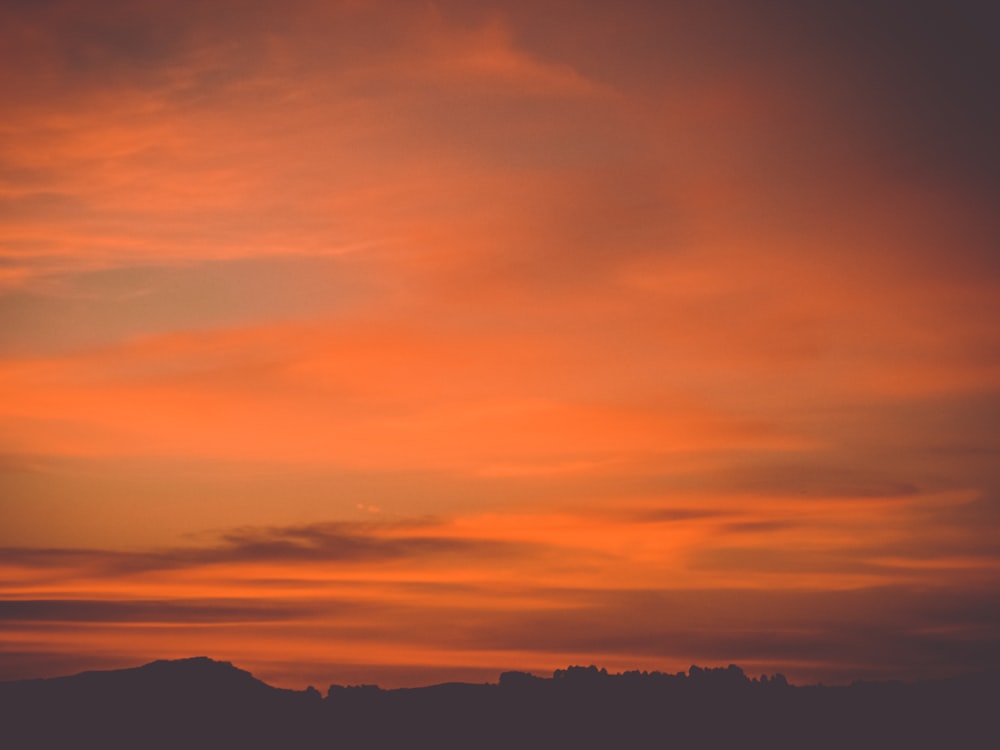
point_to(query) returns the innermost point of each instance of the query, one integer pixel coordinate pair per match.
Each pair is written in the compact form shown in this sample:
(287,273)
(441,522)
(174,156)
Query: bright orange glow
(400,342)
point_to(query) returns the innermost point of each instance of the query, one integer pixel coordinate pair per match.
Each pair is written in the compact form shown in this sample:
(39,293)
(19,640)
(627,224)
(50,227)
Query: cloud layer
(470,335)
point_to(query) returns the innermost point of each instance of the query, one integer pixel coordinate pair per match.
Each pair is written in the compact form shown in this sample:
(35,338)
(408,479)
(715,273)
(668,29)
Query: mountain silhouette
(188,703)
(201,703)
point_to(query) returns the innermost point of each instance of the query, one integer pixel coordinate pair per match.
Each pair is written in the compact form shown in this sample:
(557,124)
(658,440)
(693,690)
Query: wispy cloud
(695,305)
(335,542)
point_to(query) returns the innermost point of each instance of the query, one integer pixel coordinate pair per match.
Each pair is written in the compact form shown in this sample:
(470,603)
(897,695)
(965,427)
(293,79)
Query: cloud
(137,611)
(256,130)
(341,542)
(670,515)
(335,542)
(642,296)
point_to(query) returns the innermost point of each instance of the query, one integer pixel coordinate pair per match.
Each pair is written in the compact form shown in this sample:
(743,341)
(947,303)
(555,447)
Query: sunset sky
(401,342)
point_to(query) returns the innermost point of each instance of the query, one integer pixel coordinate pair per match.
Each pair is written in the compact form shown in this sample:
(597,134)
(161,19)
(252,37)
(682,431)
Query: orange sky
(399,342)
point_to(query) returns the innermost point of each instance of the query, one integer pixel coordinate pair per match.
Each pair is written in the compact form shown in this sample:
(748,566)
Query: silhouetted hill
(189,703)
(200,703)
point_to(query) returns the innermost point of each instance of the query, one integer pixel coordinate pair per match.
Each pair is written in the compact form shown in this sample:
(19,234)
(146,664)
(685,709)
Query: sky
(402,342)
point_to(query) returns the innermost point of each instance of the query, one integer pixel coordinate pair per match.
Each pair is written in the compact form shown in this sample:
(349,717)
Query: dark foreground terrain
(200,703)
